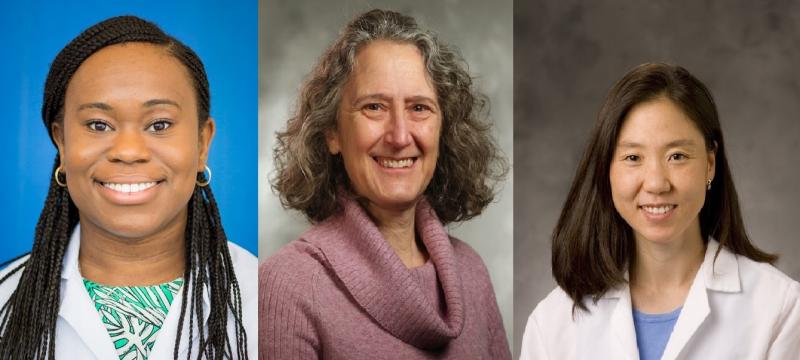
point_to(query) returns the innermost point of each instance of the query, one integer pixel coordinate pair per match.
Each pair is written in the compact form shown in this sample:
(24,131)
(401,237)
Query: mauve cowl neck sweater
(341,292)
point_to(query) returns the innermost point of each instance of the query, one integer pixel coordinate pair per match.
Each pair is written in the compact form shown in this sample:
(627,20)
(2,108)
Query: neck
(662,273)
(114,260)
(397,227)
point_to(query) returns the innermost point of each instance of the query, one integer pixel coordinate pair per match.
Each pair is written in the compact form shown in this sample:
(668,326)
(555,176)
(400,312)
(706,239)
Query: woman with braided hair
(129,259)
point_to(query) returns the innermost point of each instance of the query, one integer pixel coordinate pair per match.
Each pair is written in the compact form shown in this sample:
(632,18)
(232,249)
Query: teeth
(130,188)
(389,163)
(658,210)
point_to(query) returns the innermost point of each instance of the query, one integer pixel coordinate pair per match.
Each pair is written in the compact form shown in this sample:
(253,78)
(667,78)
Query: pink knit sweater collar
(380,283)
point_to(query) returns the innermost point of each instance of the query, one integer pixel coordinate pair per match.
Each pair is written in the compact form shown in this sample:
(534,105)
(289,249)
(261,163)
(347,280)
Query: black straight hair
(28,318)
(592,245)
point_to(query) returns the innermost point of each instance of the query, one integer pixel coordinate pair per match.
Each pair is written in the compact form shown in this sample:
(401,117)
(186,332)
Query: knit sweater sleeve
(286,307)
(479,278)
(499,344)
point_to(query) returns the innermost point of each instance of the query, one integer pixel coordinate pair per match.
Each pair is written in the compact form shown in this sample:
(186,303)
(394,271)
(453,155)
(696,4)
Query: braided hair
(28,318)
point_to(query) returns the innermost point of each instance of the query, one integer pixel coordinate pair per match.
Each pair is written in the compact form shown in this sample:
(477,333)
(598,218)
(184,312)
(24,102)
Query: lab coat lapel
(694,312)
(622,324)
(720,275)
(165,343)
(77,309)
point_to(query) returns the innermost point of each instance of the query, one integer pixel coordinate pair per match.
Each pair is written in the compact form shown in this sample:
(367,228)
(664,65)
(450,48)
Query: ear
(206,135)
(334,144)
(57,129)
(712,162)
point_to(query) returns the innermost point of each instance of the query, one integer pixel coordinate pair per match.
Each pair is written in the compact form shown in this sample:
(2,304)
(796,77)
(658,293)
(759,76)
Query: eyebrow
(384,97)
(671,144)
(154,102)
(149,103)
(95,105)
(379,96)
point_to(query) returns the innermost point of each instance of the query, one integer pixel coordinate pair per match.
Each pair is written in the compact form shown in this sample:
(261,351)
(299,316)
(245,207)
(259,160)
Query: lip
(379,161)
(657,217)
(128,198)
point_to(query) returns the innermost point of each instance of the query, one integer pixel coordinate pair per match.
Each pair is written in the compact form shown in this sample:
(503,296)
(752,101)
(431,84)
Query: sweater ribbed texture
(340,292)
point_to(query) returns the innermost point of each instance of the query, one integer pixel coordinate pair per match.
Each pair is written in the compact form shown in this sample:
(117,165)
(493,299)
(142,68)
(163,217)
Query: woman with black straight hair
(650,253)
(129,259)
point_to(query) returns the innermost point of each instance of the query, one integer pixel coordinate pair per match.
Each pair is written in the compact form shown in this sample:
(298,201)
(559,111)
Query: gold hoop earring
(200,175)
(58,181)
(708,184)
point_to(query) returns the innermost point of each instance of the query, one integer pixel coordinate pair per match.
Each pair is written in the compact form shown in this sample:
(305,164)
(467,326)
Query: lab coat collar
(76,306)
(77,309)
(721,275)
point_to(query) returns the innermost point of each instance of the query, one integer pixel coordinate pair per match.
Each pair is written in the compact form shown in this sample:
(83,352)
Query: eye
(420,107)
(678,157)
(372,107)
(632,158)
(159,126)
(98,126)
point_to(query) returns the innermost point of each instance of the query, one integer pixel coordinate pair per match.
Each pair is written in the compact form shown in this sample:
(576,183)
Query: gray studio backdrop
(293,34)
(569,53)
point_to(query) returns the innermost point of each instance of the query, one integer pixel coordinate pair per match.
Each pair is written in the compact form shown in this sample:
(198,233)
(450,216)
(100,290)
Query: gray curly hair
(469,165)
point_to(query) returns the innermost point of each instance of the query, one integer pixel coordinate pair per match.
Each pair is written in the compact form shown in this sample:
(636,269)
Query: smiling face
(130,144)
(658,172)
(388,126)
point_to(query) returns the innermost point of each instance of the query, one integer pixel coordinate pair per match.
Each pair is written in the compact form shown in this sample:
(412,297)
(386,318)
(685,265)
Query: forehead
(656,123)
(390,67)
(130,70)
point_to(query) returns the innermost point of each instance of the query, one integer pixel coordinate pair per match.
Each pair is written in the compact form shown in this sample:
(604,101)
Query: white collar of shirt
(78,310)
(720,275)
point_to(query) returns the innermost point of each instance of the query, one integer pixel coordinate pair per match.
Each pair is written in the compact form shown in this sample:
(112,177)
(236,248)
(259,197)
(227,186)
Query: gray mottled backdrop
(293,34)
(568,54)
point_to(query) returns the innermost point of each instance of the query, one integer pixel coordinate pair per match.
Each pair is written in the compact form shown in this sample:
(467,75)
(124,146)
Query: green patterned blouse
(133,315)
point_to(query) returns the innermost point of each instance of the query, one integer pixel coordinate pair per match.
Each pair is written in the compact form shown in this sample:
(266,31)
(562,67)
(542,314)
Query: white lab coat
(735,309)
(80,334)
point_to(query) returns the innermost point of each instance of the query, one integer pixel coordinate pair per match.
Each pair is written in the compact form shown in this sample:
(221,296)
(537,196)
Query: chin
(397,201)
(659,237)
(132,226)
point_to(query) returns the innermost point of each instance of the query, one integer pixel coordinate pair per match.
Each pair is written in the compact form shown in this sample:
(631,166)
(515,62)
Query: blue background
(225,37)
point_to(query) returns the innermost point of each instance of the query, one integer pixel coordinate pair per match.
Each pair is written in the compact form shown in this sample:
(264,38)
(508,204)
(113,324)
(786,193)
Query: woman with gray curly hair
(387,145)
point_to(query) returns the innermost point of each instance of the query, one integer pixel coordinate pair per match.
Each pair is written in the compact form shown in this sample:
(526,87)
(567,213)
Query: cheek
(428,135)
(183,161)
(692,181)
(80,151)
(622,184)
(359,135)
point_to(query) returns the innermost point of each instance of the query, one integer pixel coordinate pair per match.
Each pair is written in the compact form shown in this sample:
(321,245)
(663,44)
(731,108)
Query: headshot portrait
(119,248)
(664,217)
(389,150)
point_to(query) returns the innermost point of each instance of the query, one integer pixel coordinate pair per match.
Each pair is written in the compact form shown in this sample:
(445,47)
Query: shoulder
(550,328)
(288,317)
(291,272)
(766,279)
(555,308)
(242,259)
(287,282)
(465,254)
(297,258)
(470,263)
(8,286)
(245,266)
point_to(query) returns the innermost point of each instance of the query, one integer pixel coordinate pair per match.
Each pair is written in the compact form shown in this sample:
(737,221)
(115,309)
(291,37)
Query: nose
(129,146)
(656,179)
(397,134)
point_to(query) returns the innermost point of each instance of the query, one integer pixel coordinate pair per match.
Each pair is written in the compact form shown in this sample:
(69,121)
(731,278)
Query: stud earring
(708,184)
